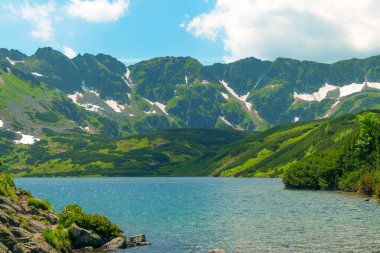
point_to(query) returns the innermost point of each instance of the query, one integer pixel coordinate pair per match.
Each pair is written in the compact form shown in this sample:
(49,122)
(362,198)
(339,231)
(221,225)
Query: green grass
(39,204)
(58,238)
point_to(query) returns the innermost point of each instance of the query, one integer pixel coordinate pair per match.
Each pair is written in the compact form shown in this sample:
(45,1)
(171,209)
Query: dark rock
(137,239)
(9,241)
(6,219)
(52,218)
(116,243)
(366,200)
(34,211)
(19,232)
(82,238)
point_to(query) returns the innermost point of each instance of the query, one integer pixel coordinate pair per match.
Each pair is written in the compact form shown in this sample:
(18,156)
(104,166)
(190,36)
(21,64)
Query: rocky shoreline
(25,228)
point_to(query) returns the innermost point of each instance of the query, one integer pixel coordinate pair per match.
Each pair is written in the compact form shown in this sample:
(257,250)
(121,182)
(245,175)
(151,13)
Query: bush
(366,185)
(39,204)
(7,186)
(97,223)
(58,238)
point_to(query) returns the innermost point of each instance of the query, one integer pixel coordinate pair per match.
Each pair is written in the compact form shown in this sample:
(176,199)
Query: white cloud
(39,15)
(315,29)
(97,11)
(69,52)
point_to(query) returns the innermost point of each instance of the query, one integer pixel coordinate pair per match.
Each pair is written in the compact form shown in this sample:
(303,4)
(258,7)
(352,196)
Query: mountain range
(99,94)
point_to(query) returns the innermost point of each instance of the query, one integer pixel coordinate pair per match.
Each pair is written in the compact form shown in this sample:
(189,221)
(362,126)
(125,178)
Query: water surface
(238,215)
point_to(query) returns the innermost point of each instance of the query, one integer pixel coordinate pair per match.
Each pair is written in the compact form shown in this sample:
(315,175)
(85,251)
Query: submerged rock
(216,251)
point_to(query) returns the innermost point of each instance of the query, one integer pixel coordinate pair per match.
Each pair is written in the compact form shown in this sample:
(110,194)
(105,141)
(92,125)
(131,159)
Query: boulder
(216,251)
(116,243)
(137,239)
(81,238)
(52,218)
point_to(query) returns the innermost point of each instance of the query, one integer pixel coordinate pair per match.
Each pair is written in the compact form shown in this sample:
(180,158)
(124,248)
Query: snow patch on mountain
(224,95)
(74,97)
(91,107)
(127,78)
(87,106)
(114,105)
(91,91)
(316,96)
(350,89)
(248,105)
(373,85)
(12,62)
(225,121)
(37,74)
(296,119)
(150,112)
(161,106)
(331,109)
(1,124)
(26,139)
(344,91)
(87,129)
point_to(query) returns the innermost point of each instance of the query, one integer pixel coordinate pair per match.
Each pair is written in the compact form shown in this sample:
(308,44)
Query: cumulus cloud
(40,17)
(97,11)
(322,30)
(69,52)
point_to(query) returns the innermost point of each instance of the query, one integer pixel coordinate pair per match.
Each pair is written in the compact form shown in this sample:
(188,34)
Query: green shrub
(97,223)
(39,204)
(7,186)
(58,238)
(366,185)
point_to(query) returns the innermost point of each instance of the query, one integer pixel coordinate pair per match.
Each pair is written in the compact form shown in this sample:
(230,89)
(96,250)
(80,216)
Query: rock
(6,219)
(9,241)
(19,232)
(52,218)
(8,202)
(116,243)
(82,238)
(216,251)
(34,211)
(366,200)
(36,226)
(137,239)
(39,247)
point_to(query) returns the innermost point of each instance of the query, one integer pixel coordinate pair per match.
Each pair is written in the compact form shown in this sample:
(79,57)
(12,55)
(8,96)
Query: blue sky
(209,30)
(148,28)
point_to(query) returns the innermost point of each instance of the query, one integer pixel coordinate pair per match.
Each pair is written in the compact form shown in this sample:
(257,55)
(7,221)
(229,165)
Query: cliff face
(22,225)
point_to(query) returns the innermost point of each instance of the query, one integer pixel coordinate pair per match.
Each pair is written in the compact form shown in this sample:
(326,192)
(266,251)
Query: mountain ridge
(249,94)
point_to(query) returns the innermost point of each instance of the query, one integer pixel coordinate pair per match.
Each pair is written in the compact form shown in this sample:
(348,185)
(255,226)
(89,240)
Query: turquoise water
(238,215)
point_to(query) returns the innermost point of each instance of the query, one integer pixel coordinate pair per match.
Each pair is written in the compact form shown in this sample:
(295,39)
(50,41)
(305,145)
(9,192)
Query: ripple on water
(238,215)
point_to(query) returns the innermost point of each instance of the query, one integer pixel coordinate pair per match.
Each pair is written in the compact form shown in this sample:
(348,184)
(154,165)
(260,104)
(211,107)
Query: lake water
(238,215)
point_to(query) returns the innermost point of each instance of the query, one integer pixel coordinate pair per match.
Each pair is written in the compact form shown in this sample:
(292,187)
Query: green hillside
(272,152)
(76,154)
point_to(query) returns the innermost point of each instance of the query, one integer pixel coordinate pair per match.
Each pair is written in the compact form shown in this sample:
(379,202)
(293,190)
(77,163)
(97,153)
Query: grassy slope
(269,153)
(150,154)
